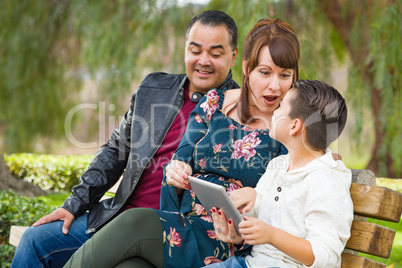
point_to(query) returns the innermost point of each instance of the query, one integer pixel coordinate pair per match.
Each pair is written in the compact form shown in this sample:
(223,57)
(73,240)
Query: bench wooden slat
(371,238)
(353,261)
(16,233)
(376,202)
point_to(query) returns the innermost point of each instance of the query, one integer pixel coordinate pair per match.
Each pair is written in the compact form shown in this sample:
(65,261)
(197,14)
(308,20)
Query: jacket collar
(228,83)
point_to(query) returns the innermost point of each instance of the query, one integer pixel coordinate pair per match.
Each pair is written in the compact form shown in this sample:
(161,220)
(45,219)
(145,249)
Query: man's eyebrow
(217,46)
(212,47)
(195,44)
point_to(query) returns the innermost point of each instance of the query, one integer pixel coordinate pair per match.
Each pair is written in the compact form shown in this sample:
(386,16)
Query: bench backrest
(373,202)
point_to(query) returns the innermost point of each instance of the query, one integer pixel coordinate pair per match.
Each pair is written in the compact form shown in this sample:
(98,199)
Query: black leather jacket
(154,106)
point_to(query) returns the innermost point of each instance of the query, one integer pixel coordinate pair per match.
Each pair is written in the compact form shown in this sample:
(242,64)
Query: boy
(302,202)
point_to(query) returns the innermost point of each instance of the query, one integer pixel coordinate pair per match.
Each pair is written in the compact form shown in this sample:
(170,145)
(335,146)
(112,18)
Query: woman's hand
(243,199)
(225,229)
(176,174)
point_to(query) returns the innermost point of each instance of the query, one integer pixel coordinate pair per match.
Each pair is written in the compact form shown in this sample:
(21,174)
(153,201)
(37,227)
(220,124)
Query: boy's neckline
(297,160)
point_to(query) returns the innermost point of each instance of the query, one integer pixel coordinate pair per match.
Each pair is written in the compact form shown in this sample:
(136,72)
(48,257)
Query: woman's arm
(182,163)
(197,127)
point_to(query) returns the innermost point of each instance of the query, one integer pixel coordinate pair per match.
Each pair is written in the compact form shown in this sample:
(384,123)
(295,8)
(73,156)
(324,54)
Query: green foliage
(37,65)
(7,252)
(17,210)
(394,184)
(384,61)
(54,199)
(376,38)
(50,172)
(371,47)
(50,49)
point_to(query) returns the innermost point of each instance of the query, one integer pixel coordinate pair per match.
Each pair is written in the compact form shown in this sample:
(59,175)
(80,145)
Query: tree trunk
(374,163)
(343,24)
(8,182)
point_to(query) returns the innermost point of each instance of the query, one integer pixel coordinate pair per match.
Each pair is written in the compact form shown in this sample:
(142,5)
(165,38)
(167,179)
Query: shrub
(17,210)
(50,172)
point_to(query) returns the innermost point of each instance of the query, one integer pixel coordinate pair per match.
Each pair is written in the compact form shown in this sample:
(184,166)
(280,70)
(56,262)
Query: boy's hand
(244,199)
(255,231)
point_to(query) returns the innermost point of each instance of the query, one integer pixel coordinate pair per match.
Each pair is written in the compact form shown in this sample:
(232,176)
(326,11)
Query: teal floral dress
(219,150)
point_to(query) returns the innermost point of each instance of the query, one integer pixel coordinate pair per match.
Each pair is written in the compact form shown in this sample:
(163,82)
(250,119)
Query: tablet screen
(214,195)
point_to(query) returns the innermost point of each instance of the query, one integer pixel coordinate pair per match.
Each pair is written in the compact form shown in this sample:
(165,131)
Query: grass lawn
(55,199)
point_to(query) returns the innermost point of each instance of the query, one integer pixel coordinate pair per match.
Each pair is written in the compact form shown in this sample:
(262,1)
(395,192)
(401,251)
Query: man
(140,146)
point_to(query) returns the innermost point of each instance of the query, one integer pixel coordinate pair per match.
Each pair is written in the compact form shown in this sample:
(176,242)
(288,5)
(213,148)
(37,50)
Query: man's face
(208,56)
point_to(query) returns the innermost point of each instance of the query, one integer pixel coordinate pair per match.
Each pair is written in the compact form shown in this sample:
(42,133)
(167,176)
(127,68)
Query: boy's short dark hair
(322,109)
(215,18)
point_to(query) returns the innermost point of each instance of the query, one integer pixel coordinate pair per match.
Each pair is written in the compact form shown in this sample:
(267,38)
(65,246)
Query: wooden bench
(377,203)
(369,201)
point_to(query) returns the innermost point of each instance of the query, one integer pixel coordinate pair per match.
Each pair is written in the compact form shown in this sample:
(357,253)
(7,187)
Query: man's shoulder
(162,80)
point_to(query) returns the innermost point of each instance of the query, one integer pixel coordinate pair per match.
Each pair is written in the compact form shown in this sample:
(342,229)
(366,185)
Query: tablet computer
(214,195)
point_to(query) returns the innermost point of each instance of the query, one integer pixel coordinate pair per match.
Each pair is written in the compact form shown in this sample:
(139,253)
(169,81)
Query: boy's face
(281,123)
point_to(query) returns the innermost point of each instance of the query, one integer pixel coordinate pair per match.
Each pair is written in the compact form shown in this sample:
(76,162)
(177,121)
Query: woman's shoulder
(232,94)
(230,98)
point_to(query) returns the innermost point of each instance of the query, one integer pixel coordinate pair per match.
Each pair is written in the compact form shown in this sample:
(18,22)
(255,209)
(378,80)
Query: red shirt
(148,189)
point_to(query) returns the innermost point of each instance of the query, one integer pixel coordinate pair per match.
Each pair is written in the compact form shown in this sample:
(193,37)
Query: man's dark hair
(215,18)
(322,109)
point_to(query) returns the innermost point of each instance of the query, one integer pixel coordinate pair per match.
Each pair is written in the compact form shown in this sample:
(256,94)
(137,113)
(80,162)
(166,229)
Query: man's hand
(336,156)
(59,214)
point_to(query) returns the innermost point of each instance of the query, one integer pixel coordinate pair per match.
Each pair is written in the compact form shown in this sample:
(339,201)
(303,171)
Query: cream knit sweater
(312,202)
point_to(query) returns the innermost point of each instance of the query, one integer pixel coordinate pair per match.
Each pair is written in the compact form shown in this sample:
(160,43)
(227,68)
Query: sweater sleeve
(328,217)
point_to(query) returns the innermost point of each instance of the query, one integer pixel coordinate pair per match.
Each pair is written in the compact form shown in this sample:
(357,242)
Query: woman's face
(268,85)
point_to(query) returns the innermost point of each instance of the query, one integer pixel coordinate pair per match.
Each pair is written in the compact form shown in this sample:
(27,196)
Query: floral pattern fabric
(219,150)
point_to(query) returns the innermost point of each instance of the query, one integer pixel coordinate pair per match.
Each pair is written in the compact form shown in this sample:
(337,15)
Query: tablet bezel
(214,195)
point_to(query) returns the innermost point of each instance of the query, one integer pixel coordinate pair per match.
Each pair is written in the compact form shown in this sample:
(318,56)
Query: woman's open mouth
(270,100)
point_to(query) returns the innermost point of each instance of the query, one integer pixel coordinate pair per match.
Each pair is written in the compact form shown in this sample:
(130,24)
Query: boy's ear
(297,127)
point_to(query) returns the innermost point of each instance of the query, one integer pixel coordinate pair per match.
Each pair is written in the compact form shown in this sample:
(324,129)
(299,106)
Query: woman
(226,142)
